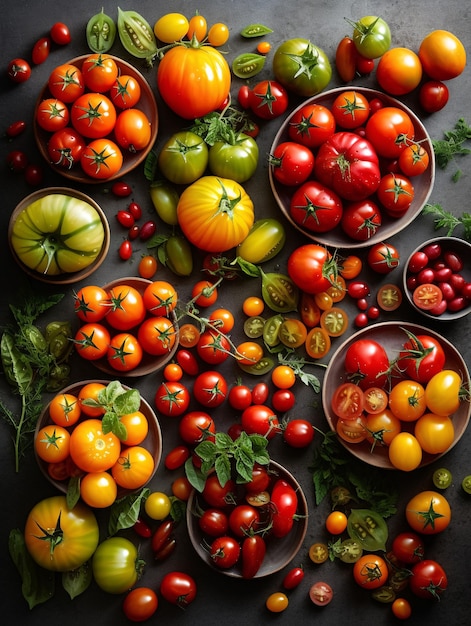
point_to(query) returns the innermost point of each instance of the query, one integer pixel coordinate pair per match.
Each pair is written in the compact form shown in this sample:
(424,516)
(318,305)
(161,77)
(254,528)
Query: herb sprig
(452,145)
(446,219)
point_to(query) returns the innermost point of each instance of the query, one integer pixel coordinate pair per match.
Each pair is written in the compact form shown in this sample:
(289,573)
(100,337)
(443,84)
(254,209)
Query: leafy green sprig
(449,221)
(452,145)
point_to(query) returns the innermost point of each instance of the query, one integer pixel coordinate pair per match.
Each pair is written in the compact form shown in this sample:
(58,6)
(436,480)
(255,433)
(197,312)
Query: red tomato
(60,34)
(395,193)
(315,207)
(298,433)
(349,165)
(99,72)
(41,50)
(346,59)
(172,398)
(390,130)
(348,401)
(52,114)
(268,99)
(433,96)
(125,92)
(196,426)
(367,363)
(132,130)
(140,604)
(422,356)
(178,588)
(351,109)
(309,268)
(210,389)
(383,258)
(65,148)
(361,220)
(260,419)
(311,125)
(225,551)
(428,580)
(213,347)
(18,70)
(66,82)
(291,163)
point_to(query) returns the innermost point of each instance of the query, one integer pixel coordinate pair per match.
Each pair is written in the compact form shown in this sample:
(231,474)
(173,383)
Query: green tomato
(265,240)
(178,255)
(136,35)
(301,67)
(116,566)
(368,528)
(371,36)
(165,200)
(100,32)
(57,234)
(183,158)
(237,160)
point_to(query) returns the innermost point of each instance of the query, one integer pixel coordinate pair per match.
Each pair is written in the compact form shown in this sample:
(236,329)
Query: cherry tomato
(178,588)
(140,604)
(298,433)
(370,571)
(41,50)
(60,34)
(321,593)
(293,578)
(277,602)
(176,457)
(336,522)
(428,580)
(283,400)
(19,70)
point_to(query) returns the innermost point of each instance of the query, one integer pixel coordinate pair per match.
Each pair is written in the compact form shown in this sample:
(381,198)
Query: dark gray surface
(220,599)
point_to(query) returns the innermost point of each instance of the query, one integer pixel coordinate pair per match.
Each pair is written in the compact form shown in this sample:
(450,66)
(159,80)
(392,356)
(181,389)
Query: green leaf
(222,467)
(196,478)
(206,450)
(127,402)
(124,512)
(150,166)
(78,580)
(73,491)
(38,584)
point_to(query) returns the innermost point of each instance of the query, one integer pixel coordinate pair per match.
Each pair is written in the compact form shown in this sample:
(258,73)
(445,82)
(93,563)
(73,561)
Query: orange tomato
(134,467)
(98,489)
(91,391)
(52,443)
(64,409)
(442,55)
(137,427)
(90,449)
(399,71)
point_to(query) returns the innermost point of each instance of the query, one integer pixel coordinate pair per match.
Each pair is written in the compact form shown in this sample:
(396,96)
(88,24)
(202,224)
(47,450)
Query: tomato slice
(389,297)
(376,400)
(348,401)
(317,343)
(334,321)
(352,430)
(427,296)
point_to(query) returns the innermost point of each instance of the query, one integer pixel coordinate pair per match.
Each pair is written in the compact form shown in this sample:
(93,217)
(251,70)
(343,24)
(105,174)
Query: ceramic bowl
(392,336)
(150,363)
(422,184)
(64,278)
(445,245)
(279,552)
(131,160)
(152,442)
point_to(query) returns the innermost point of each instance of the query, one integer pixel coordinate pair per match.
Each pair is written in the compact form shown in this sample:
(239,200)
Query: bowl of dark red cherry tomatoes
(96,118)
(259,532)
(397,395)
(437,278)
(351,167)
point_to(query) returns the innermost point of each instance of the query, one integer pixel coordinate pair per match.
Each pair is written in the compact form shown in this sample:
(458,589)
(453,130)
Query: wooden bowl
(152,442)
(131,160)
(422,184)
(450,244)
(149,363)
(392,336)
(64,278)
(279,552)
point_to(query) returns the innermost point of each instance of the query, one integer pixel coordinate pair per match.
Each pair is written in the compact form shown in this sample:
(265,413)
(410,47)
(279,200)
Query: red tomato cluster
(93,115)
(74,442)
(411,417)
(435,280)
(346,166)
(241,523)
(122,325)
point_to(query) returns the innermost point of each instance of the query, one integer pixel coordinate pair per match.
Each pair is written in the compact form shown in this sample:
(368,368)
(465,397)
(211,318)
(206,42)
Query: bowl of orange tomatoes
(261,533)
(330,169)
(96,119)
(99,437)
(397,395)
(128,327)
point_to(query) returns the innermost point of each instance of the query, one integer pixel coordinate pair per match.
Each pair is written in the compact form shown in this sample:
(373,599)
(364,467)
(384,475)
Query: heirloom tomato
(348,164)
(268,99)
(193,79)
(316,207)
(57,234)
(215,214)
(311,125)
(367,363)
(399,71)
(59,538)
(428,580)
(301,67)
(236,159)
(65,147)
(390,130)
(372,36)
(428,513)
(66,82)
(116,565)
(93,115)
(442,55)
(312,268)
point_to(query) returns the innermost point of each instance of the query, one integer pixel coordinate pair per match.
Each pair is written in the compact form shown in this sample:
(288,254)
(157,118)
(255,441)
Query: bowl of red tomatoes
(103,435)
(58,235)
(331,167)
(96,118)
(260,533)
(393,393)
(437,278)
(127,327)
